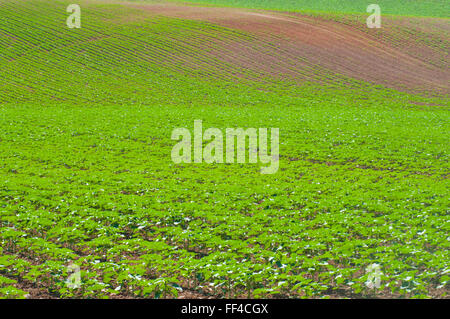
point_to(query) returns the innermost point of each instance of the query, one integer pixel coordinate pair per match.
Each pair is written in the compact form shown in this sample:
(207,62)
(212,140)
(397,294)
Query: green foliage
(87,176)
(431,8)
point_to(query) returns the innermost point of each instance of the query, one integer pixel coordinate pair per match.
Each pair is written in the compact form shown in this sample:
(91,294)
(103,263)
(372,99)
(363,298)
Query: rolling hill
(87,114)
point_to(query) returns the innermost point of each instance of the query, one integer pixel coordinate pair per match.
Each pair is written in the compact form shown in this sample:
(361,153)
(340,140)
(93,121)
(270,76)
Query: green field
(86,176)
(421,8)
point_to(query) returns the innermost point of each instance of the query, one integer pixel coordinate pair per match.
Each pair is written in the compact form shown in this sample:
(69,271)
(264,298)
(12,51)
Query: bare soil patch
(304,47)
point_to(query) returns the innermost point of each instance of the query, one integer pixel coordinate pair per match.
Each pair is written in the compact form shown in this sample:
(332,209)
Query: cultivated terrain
(86,176)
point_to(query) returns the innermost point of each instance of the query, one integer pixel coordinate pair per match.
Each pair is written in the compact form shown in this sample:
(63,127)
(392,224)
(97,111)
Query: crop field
(87,181)
(421,8)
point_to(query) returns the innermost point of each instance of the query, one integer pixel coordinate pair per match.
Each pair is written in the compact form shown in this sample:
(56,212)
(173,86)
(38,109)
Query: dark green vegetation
(86,175)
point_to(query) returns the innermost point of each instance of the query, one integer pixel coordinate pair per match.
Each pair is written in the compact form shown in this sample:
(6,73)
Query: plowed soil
(300,46)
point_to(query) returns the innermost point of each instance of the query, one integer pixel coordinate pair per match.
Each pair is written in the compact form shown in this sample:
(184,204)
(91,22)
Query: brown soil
(32,291)
(304,47)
